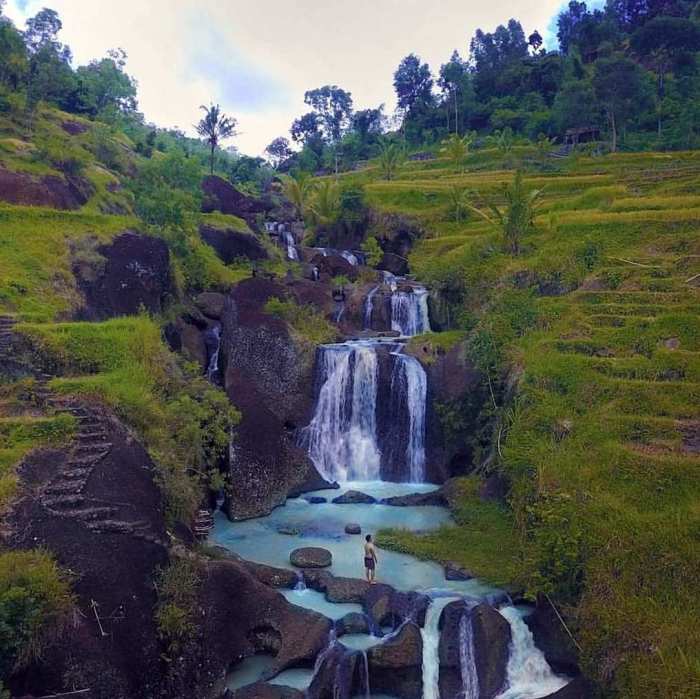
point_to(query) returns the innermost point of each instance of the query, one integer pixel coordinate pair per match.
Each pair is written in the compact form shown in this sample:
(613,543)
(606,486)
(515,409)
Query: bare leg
(368,574)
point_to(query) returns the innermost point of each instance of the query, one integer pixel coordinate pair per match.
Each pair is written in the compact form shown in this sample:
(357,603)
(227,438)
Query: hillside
(590,340)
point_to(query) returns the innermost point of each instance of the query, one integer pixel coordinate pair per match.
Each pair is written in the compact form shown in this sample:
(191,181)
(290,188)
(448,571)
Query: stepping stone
(311,557)
(353,528)
(315,499)
(354,497)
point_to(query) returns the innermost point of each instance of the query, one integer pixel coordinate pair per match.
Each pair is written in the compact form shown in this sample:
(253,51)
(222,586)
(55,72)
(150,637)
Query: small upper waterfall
(288,238)
(409,311)
(467,663)
(212,341)
(368,308)
(528,673)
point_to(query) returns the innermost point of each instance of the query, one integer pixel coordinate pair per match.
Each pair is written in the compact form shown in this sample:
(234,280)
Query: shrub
(177,596)
(305,321)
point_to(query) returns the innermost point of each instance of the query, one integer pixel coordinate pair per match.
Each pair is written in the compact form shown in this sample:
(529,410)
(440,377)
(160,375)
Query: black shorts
(369,563)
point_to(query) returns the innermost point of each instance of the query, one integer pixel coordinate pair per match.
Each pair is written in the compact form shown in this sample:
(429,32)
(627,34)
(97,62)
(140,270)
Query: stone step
(89,435)
(93,448)
(62,502)
(64,488)
(89,514)
(89,459)
(82,472)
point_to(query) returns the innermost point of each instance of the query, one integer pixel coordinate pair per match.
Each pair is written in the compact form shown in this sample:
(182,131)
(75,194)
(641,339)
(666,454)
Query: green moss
(306,322)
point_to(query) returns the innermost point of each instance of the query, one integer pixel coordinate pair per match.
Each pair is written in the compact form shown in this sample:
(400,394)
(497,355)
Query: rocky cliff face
(135,273)
(269,377)
(48,190)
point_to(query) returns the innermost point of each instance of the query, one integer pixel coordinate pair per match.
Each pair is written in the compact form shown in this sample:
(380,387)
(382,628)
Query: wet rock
(334,266)
(315,499)
(311,557)
(352,528)
(491,633)
(271,576)
(337,674)
(551,638)
(434,498)
(393,263)
(339,589)
(50,190)
(354,622)
(578,688)
(395,666)
(354,497)
(211,304)
(263,690)
(288,531)
(134,273)
(231,245)
(389,607)
(453,571)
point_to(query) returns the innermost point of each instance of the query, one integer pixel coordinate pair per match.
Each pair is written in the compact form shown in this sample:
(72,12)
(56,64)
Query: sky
(256,59)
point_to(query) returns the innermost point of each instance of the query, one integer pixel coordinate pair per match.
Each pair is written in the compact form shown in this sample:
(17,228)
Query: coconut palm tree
(517,217)
(325,206)
(215,127)
(391,157)
(299,189)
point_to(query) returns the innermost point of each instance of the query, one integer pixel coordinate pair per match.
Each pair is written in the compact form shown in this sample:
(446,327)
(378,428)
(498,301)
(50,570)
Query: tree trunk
(456,115)
(211,158)
(613,127)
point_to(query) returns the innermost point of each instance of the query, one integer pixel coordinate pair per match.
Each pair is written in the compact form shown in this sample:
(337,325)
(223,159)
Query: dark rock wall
(49,190)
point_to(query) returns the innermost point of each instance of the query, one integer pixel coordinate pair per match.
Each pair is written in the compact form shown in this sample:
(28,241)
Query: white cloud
(257,59)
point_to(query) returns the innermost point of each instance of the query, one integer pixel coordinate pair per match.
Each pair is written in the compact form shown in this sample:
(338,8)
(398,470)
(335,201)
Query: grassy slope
(605,496)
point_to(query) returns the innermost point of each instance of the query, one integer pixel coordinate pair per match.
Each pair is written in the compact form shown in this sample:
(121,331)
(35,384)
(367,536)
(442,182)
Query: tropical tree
(456,148)
(299,189)
(325,204)
(503,139)
(278,151)
(391,157)
(458,198)
(516,218)
(333,107)
(215,127)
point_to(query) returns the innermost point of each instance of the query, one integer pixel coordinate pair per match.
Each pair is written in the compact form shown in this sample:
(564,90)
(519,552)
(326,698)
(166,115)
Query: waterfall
(368,307)
(409,312)
(409,385)
(212,342)
(350,257)
(528,673)
(289,241)
(467,663)
(342,436)
(301,585)
(431,646)
(364,675)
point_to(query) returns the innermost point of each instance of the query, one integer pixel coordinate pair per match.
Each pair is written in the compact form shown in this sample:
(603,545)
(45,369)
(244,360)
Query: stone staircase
(7,323)
(64,495)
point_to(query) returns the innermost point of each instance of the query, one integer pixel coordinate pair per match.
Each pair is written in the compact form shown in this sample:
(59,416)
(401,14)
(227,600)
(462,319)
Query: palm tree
(517,217)
(391,158)
(214,127)
(326,203)
(299,189)
(456,148)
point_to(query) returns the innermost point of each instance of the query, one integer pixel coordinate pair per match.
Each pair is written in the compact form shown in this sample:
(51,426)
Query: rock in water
(353,528)
(453,571)
(315,499)
(395,666)
(354,497)
(311,557)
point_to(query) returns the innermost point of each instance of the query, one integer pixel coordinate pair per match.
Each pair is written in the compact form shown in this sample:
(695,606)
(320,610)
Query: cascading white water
(350,257)
(289,241)
(528,673)
(342,436)
(368,307)
(409,379)
(213,365)
(431,645)
(409,312)
(467,663)
(364,674)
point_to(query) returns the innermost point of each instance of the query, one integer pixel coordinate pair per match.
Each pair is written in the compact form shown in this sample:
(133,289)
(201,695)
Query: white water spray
(467,662)
(409,312)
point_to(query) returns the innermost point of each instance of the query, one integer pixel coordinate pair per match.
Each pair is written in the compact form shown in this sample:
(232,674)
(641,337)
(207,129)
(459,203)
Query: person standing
(370,559)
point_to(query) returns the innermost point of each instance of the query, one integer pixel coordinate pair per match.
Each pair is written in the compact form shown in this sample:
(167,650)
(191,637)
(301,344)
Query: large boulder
(338,674)
(211,304)
(551,638)
(311,557)
(578,688)
(231,245)
(129,274)
(354,497)
(268,375)
(388,607)
(395,665)
(49,190)
(264,690)
(435,498)
(220,195)
(492,636)
(333,265)
(393,263)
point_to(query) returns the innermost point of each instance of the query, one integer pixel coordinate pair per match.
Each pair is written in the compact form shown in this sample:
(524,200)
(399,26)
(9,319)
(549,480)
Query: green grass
(306,323)
(483,541)
(18,436)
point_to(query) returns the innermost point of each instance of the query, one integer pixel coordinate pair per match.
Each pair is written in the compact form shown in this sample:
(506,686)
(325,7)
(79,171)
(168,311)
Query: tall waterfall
(409,312)
(409,385)
(467,663)
(212,341)
(528,673)
(342,436)
(431,646)
(369,421)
